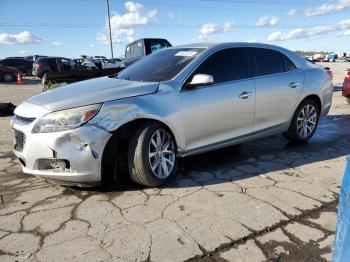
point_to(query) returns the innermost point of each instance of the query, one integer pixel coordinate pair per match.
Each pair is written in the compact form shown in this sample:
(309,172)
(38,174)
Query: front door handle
(245,95)
(293,84)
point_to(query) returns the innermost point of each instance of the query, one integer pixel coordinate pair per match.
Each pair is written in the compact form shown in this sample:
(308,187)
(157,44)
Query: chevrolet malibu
(174,103)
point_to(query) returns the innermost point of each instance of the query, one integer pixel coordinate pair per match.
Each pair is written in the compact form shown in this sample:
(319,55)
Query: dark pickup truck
(67,72)
(143,47)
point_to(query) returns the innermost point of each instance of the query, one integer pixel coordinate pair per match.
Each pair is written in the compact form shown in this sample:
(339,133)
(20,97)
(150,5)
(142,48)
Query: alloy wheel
(306,121)
(161,154)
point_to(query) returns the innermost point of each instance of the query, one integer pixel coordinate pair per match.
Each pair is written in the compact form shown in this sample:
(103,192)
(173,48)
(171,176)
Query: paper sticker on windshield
(186,53)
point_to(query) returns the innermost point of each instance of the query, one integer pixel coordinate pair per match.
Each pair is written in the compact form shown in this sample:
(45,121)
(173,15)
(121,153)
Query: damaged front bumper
(70,157)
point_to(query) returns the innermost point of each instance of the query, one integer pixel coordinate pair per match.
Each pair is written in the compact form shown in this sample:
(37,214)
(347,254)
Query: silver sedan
(175,103)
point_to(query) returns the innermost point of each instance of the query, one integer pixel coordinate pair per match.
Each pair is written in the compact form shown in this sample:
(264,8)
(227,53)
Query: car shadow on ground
(26,81)
(275,153)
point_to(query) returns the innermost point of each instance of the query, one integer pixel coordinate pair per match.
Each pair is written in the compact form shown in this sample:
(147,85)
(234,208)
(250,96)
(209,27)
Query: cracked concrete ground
(267,200)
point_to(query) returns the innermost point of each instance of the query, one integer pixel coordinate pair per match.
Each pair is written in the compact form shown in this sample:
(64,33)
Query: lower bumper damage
(71,157)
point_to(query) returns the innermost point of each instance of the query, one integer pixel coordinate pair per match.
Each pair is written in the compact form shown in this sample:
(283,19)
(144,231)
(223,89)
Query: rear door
(224,110)
(278,87)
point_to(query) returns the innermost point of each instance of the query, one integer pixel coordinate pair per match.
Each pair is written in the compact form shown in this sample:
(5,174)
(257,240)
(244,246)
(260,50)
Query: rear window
(134,50)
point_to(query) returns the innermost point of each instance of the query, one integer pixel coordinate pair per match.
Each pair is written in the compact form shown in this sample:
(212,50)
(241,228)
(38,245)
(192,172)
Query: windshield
(160,66)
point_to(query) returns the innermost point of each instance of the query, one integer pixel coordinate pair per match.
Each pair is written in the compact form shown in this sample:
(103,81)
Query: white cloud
(24,37)
(328,8)
(56,43)
(266,21)
(344,33)
(92,45)
(254,40)
(292,12)
(307,33)
(209,29)
(123,25)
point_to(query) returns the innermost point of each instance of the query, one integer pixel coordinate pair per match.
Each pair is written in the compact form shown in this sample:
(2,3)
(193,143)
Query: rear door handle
(293,84)
(245,95)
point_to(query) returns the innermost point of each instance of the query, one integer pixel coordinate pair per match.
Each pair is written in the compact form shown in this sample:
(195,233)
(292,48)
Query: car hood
(92,91)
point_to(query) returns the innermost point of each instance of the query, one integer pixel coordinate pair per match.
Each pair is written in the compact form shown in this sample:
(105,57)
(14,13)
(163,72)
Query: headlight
(66,119)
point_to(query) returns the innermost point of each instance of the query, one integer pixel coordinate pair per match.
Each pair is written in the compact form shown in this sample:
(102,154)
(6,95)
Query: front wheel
(7,77)
(304,122)
(152,155)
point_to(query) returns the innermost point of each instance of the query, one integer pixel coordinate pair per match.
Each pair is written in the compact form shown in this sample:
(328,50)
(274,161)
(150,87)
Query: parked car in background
(143,47)
(112,63)
(8,74)
(174,103)
(23,65)
(330,58)
(346,86)
(99,57)
(341,59)
(44,65)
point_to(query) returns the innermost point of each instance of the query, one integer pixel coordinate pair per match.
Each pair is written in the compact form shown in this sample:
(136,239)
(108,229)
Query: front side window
(160,66)
(226,65)
(269,62)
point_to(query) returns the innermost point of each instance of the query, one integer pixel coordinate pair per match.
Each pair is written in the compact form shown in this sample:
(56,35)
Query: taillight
(347,74)
(38,66)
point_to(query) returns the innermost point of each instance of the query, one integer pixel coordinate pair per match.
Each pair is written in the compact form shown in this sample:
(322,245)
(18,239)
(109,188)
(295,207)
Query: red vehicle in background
(8,74)
(346,85)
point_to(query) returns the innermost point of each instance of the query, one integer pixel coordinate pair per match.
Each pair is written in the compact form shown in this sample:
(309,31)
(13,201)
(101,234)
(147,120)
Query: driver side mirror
(200,80)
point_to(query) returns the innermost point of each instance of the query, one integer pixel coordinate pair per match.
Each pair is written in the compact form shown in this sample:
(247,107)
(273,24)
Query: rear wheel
(152,155)
(7,77)
(304,122)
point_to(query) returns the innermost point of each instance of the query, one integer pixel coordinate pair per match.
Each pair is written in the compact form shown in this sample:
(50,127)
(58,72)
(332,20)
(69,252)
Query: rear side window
(226,65)
(288,64)
(268,62)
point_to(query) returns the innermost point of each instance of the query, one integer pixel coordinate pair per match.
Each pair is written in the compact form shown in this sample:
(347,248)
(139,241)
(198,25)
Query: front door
(224,110)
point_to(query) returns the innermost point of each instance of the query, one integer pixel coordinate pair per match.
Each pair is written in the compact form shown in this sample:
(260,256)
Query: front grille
(23,120)
(20,139)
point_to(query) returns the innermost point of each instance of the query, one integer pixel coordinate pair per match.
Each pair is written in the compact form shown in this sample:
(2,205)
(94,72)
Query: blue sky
(74,27)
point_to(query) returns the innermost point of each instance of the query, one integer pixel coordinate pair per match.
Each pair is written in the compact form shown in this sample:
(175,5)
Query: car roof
(229,44)
(17,58)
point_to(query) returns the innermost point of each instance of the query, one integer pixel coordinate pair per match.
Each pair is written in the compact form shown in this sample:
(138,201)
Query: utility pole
(110,31)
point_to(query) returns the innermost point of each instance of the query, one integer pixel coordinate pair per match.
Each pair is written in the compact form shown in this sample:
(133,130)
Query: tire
(7,77)
(28,71)
(348,99)
(302,128)
(143,154)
